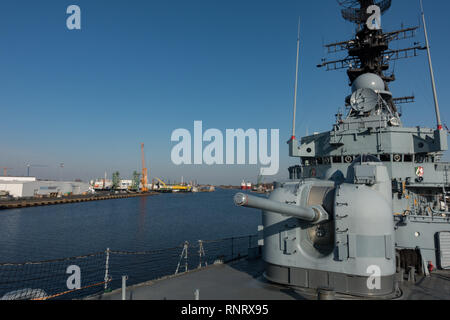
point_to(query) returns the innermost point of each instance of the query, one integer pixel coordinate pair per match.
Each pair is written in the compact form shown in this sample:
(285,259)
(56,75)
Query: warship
(369,197)
(364,215)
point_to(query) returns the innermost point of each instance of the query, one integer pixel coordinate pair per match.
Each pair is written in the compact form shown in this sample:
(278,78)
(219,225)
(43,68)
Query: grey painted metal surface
(444,250)
(243,280)
(304,213)
(357,237)
(382,187)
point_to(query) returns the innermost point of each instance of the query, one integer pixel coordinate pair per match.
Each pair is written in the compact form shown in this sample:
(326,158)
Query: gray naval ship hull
(245,280)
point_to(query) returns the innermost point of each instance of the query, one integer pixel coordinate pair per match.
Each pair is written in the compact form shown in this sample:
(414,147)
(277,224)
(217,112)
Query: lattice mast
(369,51)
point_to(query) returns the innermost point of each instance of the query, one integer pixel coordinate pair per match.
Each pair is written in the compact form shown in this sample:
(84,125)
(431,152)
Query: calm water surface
(135,224)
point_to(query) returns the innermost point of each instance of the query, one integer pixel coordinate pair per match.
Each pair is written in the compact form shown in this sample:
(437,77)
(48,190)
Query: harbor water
(135,224)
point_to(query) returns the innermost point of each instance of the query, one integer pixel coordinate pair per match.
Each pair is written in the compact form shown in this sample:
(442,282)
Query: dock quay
(34,202)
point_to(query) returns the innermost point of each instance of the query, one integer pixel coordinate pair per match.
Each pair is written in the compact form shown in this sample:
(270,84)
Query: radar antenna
(356,10)
(368,51)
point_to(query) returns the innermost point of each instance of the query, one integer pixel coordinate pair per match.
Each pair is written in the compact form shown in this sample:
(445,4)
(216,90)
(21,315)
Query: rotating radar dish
(364,100)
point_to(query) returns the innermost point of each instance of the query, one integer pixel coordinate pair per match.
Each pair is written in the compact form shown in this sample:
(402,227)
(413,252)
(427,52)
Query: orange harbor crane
(5,170)
(144,179)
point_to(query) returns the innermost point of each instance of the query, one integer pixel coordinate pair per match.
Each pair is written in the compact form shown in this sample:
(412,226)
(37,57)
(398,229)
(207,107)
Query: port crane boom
(144,179)
(162,182)
(5,170)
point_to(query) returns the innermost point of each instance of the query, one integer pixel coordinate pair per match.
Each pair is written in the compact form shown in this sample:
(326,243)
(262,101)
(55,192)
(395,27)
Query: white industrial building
(125,184)
(102,184)
(21,187)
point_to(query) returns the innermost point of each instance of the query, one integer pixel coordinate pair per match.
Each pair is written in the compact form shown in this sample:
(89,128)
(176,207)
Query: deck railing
(82,276)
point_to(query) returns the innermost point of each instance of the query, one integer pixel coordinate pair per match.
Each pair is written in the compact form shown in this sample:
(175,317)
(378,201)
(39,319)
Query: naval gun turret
(312,214)
(331,234)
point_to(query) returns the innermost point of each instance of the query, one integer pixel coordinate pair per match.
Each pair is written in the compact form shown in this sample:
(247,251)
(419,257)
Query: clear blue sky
(140,69)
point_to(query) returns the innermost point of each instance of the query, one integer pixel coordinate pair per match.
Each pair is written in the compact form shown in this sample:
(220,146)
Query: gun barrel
(307,214)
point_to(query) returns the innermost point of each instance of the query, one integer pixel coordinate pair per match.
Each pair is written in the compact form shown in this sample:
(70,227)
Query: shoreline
(34,202)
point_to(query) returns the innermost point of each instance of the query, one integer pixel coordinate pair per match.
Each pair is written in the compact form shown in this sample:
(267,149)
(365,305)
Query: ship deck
(243,280)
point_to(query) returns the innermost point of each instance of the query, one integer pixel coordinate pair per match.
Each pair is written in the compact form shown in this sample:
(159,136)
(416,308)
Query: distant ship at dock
(246,185)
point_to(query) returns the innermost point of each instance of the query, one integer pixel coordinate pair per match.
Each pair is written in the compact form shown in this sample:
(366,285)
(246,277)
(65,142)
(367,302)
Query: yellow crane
(164,187)
(162,182)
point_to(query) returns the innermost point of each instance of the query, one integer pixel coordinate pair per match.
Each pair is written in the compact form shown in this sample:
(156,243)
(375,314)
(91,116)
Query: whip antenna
(296,81)
(433,83)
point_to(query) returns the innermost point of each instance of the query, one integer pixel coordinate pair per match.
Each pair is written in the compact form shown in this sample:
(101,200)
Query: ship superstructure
(373,126)
(369,196)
